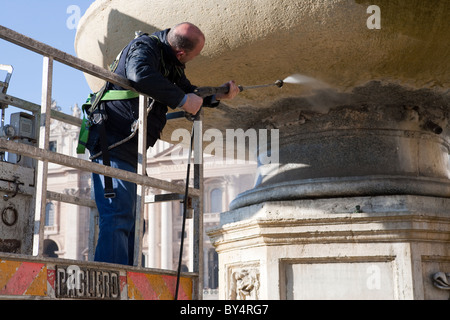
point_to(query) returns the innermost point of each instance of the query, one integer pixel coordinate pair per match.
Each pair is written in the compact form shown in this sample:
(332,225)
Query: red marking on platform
(20,279)
(143,286)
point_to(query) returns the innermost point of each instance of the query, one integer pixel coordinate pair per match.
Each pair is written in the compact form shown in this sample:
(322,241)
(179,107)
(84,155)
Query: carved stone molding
(83,192)
(244,283)
(441,280)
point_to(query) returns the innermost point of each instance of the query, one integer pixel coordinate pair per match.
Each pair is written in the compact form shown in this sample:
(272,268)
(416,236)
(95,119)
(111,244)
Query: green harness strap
(113,95)
(83,137)
(86,123)
(94,99)
(93,102)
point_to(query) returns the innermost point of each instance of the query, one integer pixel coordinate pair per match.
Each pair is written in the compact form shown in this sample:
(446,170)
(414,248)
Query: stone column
(152,242)
(166,236)
(374,144)
(71,233)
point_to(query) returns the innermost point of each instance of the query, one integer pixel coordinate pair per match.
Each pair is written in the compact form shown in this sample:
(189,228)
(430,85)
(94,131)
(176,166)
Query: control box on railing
(20,129)
(17,188)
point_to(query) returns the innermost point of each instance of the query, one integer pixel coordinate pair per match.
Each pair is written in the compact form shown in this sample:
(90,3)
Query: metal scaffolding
(43,114)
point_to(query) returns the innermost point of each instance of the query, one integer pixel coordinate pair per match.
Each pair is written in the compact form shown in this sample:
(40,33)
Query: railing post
(93,228)
(42,165)
(198,206)
(141,170)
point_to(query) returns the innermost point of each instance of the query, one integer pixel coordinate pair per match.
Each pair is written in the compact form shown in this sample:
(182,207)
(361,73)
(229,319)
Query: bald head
(185,36)
(186,40)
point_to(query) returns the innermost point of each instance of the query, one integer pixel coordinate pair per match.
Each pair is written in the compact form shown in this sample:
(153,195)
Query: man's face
(185,57)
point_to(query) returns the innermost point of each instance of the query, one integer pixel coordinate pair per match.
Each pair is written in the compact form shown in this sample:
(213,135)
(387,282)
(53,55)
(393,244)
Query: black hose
(185,204)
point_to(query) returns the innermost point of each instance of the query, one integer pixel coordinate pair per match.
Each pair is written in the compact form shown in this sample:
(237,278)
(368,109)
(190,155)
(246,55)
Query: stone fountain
(359,204)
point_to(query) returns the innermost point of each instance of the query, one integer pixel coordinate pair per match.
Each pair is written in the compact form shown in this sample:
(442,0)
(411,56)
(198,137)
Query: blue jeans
(117,217)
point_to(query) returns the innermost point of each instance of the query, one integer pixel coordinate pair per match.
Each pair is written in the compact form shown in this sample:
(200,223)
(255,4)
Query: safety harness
(94,113)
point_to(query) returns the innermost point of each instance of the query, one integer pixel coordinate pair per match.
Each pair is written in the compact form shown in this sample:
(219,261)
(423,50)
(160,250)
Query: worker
(155,65)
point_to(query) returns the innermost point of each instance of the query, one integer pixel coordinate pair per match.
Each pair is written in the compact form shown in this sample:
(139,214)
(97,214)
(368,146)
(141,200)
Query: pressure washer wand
(210,91)
(204,92)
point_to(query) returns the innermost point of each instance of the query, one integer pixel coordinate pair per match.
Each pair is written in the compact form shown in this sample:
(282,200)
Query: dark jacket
(154,70)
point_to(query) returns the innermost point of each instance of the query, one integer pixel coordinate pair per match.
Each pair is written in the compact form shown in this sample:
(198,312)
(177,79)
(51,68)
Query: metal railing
(41,153)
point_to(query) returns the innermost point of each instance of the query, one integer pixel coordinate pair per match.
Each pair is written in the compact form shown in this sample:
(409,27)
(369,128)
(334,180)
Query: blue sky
(50,22)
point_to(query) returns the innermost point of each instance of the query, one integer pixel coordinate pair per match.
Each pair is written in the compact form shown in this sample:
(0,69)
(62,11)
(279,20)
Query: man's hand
(192,104)
(234,91)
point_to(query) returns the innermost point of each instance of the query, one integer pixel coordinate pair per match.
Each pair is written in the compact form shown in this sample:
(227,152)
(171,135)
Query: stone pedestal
(381,247)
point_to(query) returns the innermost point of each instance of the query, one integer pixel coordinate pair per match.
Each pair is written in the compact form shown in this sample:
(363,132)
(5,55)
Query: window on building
(52,146)
(49,214)
(213,269)
(216,200)
(50,248)
(181,208)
